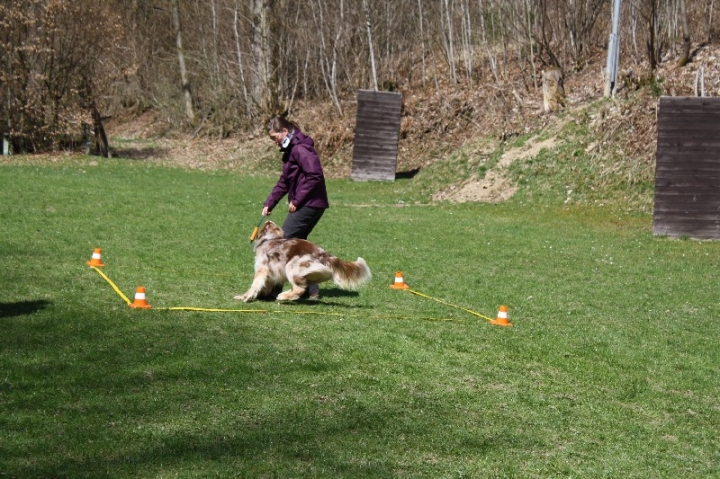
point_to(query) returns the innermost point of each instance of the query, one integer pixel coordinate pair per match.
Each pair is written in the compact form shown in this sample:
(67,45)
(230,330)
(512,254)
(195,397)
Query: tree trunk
(710,20)
(262,55)
(368,26)
(422,40)
(189,111)
(492,60)
(685,55)
(450,40)
(102,147)
(467,37)
(652,35)
(241,71)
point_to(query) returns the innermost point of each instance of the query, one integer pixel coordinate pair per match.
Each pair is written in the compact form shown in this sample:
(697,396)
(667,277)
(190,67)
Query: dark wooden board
(377,130)
(687,172)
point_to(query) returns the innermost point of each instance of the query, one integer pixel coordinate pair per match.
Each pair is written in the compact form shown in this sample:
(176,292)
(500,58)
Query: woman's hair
(277,123)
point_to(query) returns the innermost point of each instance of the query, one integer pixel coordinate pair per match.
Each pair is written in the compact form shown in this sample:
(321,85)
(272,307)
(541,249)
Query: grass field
(612,368)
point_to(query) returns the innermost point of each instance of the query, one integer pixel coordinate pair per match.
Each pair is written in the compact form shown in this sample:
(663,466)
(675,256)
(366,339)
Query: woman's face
(278,137)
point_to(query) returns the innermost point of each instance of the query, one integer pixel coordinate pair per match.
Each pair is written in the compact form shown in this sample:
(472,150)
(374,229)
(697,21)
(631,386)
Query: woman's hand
(291,207)
(266,211)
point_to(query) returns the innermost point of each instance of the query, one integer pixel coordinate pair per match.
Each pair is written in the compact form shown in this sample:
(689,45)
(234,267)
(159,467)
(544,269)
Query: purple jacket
(302,177)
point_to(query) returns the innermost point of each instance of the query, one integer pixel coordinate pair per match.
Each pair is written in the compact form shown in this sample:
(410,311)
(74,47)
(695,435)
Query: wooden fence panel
(687,171)
(377,131)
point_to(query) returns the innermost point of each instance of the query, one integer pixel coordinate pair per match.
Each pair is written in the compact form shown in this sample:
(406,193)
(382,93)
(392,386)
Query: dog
(299,262)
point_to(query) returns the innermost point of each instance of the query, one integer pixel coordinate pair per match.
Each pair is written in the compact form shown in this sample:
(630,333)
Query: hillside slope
(479,141)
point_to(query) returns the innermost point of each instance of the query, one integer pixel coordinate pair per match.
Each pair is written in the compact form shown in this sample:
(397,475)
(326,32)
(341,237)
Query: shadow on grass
(140,153)
(129,400)
(324,295)
(337,293)
(305,439)
(323,301)
(9,310)
(407,175)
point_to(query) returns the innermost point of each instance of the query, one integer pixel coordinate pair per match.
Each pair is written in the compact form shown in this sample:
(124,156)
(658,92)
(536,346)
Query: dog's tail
(350,274)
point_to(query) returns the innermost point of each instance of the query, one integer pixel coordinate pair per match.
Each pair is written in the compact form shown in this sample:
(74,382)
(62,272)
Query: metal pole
(613,55)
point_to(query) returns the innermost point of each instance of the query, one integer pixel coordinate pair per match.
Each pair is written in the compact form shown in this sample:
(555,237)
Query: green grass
(611,368)
(586,169)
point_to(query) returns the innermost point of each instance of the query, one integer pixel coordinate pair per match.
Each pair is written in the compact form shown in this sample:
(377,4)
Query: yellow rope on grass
(117,290)
(448,304)
(290,311)
(220,310)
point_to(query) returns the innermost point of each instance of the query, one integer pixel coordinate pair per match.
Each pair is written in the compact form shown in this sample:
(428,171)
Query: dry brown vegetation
(186,83)
(438,120)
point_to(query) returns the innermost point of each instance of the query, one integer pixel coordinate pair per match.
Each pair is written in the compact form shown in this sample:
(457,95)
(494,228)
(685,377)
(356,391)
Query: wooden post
(101,141)
(553,89)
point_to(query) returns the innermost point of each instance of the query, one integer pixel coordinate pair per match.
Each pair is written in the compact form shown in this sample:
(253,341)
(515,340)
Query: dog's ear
(271,230)
(265,228)
(279,231)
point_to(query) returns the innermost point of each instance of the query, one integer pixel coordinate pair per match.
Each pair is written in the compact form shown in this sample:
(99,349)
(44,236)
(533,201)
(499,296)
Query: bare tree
(189,110)
(492,59)
(371,48)
(654,42)
(710,20)
(467,37)
(580,17)
(248,58)
(328,61)
(685,53)
(262,55)
(57,71)
(422,39)
(238,52)
(448,37)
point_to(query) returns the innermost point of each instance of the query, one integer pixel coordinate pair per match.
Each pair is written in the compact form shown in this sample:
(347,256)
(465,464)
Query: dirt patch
(138,140)
(491,189)
(494,187)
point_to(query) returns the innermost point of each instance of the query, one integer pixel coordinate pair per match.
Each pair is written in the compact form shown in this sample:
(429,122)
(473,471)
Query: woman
(302,180)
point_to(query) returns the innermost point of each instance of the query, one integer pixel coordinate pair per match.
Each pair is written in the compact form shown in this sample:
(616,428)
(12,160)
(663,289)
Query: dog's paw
(244,297)
(288,296)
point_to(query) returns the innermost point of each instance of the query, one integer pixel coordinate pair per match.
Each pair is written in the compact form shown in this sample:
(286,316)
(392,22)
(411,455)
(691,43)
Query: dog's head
(270,231)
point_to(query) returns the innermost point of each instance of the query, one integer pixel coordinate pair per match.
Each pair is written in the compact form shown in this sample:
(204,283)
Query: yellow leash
(219,310)
(289,311)
(117,290)
(448,304)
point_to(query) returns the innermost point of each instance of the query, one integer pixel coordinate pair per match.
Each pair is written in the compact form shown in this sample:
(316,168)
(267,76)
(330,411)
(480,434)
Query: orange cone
(140,301)
(502,317)
(96,259)
(399,282)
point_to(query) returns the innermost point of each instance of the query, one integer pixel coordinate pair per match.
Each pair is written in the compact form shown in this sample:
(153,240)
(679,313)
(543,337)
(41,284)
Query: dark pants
(301,223)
